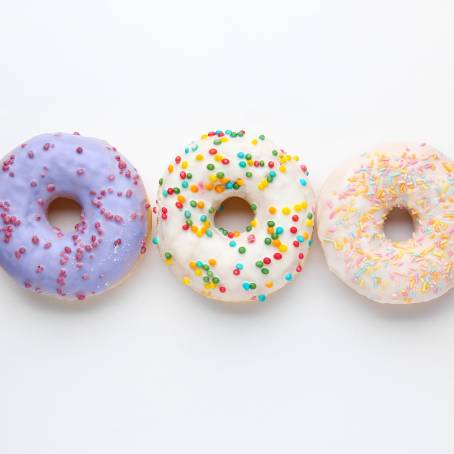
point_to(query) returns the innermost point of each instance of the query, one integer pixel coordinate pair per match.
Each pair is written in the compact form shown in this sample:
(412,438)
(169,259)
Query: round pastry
(114,225)
(230,265)
(353,207)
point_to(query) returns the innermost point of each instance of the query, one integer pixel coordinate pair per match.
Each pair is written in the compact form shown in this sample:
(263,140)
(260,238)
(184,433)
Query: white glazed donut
(235,266)
(353,206)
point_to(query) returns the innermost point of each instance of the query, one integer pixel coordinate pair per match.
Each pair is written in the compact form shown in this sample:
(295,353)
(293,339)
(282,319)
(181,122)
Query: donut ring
(115,219)
(235,266)
(353,206)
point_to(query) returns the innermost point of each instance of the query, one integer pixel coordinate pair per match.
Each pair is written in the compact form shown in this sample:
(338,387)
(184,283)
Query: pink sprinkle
(30,154)
(50,187)
(35,240)
(47,245)
(46,146)
(79,150)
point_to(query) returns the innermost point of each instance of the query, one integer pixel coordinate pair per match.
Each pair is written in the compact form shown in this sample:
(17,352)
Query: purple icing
(114,225)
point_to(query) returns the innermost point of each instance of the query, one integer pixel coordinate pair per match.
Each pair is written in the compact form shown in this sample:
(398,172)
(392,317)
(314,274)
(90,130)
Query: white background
(153,368)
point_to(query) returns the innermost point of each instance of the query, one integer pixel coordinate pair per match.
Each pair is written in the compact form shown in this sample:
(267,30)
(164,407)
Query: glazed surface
(230,265)
(352,209)
(113,228)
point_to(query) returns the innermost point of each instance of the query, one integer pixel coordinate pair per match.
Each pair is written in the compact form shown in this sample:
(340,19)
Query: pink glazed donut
(353,206)
(115,221)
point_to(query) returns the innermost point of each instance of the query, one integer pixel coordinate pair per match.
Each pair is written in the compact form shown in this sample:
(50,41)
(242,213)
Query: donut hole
(64,213)
(399,225)
(234,214)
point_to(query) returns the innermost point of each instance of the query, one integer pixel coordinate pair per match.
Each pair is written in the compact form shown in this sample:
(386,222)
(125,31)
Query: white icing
(289,189)
(353,206)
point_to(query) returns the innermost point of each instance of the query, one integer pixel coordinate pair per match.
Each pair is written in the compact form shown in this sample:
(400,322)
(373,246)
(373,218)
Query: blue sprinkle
(209,233)
(186,150)
(229,185)
(240,154)
(185,184)
(272,174)
(303,182)
(155,240)
(288,277)
(242,164)
(279,230)
(239,266)
(300,238)
(232,243)
(165,193)
(199,264)
(246,285)
(262,298)
(203,218)
(309,243)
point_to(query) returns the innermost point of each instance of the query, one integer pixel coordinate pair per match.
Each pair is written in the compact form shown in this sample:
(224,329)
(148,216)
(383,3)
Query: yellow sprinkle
(204,136)
(184,165)
(283,169)
(283,248)
(170,168)
(309,222)
(253,223)
(338,245)
(198,272)
(296,158)
(269,284)
(186,281)
(297,207)
(199,157)
(218,158)
(168,261)
(213,178)
(224,139)
(286,211)
(254,141)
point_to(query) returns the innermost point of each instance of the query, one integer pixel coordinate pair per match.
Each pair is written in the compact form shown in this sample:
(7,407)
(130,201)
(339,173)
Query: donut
(227,265)
(113,229)
(352,209)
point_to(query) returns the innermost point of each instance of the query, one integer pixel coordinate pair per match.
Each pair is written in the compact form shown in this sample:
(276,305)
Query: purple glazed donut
(115,220)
